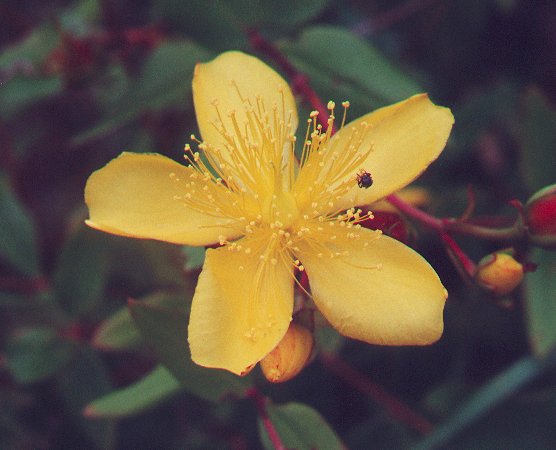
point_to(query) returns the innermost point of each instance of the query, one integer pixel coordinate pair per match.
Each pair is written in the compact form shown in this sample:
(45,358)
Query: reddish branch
(459,257)
(397,409)
(260,404)
(457,225)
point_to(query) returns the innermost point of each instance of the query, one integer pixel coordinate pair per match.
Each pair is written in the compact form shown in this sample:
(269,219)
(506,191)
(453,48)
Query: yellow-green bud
(499,273)
(290,356)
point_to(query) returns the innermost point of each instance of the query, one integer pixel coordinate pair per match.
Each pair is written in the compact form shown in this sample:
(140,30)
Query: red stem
(415,213)
(461,257)
(260,404)
(397,409)
(456,225)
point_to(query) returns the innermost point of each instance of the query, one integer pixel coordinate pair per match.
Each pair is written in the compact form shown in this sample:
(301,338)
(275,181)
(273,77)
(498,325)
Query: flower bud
(540,216)
(499,272)
(290,356)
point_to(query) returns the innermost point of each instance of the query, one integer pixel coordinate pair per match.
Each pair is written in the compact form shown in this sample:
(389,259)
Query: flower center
(251,178)
(280,211)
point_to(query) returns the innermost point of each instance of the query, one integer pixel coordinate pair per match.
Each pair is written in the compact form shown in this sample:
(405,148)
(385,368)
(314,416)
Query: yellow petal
(227,84)
(405,138)
(381,292)
(241,308)
(136,195)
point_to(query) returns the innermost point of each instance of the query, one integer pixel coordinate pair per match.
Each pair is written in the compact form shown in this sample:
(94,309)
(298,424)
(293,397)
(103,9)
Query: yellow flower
(274,215)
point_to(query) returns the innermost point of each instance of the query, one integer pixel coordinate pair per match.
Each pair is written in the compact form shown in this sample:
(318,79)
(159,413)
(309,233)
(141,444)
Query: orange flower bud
(290,356)
(499,272)
(540,214)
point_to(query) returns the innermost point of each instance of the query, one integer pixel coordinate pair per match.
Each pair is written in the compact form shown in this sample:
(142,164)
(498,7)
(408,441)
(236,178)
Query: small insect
(364,179)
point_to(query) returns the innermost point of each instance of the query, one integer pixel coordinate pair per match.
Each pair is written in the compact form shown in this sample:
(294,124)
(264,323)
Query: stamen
(345,105)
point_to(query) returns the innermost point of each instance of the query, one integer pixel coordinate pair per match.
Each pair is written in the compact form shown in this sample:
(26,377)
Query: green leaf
(146,393)
(34,354)
(17,233)
(328,340)
(32,50)
(84,380)
(539,141)
(221,24)
(490,107)
(90,259)
(301,427)
(20,65)
(118,332)
(166,77)
(525,421)
(342,64)
(22,91)
(278,15)
(541,302)
(82,271)
(213,24)
(146,264)
(164,81)
(486,398)
(80,17)
(23,303)
(194,257)
(165,329)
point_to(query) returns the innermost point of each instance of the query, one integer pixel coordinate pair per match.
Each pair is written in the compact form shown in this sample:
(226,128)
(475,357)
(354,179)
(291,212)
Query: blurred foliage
(93,328)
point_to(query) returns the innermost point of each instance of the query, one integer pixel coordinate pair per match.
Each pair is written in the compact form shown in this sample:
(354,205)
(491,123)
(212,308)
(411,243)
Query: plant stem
(455,225)
(397,409)
(260,404)
(415,213)
(489,234)
(459,257)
